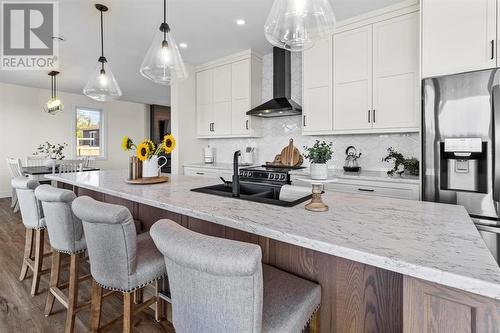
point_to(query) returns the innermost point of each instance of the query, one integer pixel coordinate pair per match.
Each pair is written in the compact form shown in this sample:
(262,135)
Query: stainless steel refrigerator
(461,147)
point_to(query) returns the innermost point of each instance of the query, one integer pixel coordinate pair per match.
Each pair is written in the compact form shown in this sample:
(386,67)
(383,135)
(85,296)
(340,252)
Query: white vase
(319,171)
(50,163)
(150,167)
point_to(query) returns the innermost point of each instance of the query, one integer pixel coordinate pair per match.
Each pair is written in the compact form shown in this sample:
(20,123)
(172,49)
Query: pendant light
(163,62)
(54,104)
(295,25)
(102,85)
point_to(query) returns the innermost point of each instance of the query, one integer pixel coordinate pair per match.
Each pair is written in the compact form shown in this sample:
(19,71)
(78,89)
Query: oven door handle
(486,228)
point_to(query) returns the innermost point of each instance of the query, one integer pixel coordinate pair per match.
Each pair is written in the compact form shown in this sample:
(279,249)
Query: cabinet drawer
(369,189)
(201,172)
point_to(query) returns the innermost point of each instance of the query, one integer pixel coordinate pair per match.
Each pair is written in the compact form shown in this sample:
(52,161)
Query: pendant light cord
(52,87)
(164,18)
(102,40)
(54,91)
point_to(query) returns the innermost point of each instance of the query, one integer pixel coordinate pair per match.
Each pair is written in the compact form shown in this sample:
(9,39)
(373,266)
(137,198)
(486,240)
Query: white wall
(183,111)
(277,131)
(23,126)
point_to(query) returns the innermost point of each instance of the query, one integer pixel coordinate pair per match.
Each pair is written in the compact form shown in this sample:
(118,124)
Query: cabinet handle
(492,49)
(246,124)
(369,116)
(200,173)
(374,118)
(213,127)
(366,190)
(304,121)
(210,127)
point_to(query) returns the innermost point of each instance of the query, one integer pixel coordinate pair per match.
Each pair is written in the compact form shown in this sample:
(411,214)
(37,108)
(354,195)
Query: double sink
(263,193)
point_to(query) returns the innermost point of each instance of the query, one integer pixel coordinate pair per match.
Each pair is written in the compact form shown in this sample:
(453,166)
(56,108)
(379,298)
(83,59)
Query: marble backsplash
(277,131)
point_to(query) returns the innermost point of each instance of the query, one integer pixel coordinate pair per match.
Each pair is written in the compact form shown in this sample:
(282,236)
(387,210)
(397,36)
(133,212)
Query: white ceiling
(207,26)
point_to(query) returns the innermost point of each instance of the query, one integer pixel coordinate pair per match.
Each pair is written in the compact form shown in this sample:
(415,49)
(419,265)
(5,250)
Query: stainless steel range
(259,184)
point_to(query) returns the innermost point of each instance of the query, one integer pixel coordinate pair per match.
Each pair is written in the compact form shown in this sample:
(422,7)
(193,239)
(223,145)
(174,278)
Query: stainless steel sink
(263,193)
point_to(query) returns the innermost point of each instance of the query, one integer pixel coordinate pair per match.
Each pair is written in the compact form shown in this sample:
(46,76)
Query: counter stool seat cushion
(119,259)
(289,301)
(31,212)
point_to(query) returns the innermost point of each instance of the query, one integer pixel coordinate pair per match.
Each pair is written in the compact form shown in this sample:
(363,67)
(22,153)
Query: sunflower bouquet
(147,149)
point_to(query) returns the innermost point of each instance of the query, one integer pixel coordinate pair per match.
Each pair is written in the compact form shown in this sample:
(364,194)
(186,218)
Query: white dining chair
(16,170)
(66,166)
(35,160)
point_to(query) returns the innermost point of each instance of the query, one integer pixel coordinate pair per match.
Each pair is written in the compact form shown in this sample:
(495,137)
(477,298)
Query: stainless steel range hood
(282,104)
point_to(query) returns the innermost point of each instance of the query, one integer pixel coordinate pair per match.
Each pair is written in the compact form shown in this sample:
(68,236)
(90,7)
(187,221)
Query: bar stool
(219,285)
(66,236)
(119,259)
(33,220)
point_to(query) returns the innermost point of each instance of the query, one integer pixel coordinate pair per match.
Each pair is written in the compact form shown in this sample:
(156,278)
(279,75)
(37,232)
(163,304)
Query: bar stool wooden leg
(38,262)
(28,252)
(95,307)
(128,308)
(54,281)
(314,323)
(160,303)
(72,292)
(138,296)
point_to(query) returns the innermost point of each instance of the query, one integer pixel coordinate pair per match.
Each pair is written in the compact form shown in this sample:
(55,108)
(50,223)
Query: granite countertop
(370,175)
(434,242)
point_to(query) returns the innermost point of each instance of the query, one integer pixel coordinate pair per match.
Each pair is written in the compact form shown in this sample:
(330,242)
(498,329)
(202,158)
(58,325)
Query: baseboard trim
(7,194)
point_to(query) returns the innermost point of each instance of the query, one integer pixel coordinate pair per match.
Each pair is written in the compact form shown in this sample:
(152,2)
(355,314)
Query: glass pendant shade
(295,25)
(54,104)
(163,62)
(102,85)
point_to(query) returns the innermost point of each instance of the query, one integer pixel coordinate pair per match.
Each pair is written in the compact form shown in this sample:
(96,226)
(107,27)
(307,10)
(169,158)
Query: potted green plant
(401,164)
(53,152)
(318,155)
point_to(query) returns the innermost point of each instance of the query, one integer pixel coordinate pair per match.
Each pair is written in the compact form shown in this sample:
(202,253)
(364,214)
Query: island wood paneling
(429,307)
(355,297)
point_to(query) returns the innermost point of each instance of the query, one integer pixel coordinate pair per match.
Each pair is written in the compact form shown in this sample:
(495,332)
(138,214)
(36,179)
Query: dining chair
(36,160)
(219,285)
(16,170)
(34,221)
(66,166)
(66,237)
(120,260)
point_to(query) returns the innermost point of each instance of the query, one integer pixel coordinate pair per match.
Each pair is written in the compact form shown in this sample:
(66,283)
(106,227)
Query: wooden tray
(148,180)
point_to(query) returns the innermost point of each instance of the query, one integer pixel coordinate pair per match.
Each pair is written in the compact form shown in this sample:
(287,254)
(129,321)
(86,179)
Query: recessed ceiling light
(183,45)
(240,22)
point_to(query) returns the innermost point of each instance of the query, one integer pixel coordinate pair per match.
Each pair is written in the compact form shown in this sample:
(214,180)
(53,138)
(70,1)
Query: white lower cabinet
(389,189)
(201,172)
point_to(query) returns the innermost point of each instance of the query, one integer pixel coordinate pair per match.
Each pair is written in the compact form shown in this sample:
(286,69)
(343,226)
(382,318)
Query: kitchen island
(384,264)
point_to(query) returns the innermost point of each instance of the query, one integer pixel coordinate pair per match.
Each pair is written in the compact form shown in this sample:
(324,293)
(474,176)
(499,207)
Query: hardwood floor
(19,312)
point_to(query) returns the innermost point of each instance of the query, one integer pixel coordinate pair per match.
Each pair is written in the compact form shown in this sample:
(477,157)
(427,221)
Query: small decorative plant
(52,151)
(320,152)
(401,164)
(147,149)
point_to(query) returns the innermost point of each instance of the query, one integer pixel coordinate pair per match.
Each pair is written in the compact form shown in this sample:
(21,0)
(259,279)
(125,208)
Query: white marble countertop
(370,175)
(434,242)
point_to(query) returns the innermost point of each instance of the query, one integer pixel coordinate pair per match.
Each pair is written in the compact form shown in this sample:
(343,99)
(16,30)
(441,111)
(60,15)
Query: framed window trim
(102,128)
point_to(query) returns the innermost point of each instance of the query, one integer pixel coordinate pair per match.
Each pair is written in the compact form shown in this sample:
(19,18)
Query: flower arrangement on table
(147,149)
(53,152)
(150,154)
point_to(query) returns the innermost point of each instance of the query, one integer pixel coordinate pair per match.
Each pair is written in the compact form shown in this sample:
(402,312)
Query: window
(89,132)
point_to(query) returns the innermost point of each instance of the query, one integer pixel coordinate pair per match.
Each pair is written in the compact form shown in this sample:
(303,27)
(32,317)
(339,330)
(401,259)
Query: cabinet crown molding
(229,59)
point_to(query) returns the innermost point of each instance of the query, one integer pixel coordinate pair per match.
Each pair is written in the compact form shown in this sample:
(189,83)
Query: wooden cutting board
(290,155)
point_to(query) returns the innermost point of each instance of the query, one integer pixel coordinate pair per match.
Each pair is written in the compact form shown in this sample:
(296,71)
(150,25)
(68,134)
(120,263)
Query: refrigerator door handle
(496,144)
(486,228)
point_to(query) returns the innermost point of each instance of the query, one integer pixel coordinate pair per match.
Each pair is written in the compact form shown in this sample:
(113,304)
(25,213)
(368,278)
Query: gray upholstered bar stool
(66,236)
(33,220)
(119,259)
(220,286)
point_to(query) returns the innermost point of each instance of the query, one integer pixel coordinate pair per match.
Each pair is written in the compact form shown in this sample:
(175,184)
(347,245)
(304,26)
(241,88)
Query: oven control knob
(282,177)
(271,176)
(245,174)
(241,173)
(249,174)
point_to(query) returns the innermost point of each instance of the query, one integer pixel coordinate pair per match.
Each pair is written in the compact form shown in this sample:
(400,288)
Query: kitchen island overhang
(360,251)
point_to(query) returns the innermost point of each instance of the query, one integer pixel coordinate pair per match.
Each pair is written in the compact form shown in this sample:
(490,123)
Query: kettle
(351,160)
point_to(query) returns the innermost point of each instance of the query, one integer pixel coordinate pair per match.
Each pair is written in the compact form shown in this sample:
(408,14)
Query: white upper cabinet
(366,78)
(458,36)
(352,72)
(317,101)
(226,90)
(396,93)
